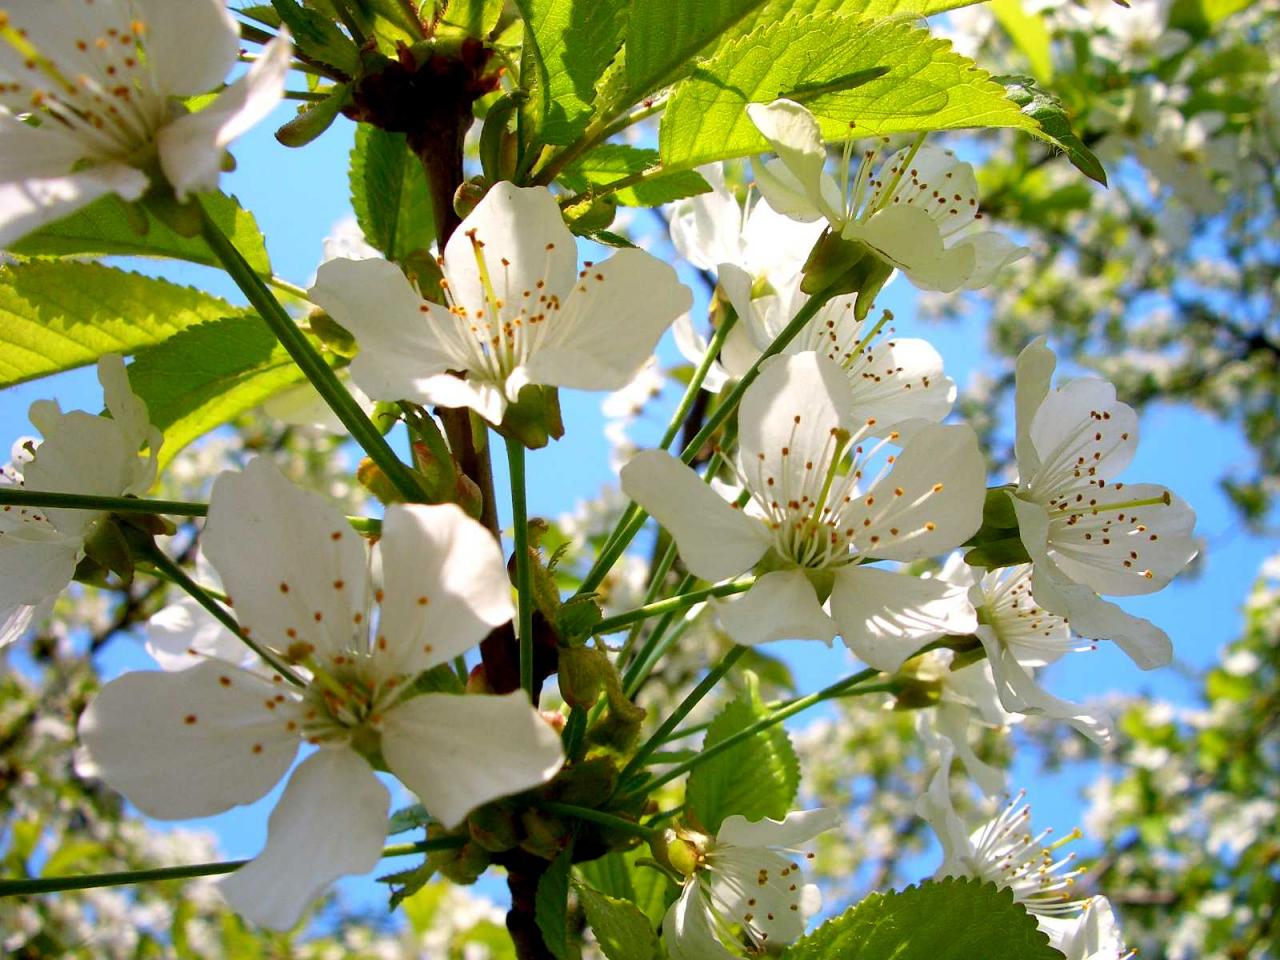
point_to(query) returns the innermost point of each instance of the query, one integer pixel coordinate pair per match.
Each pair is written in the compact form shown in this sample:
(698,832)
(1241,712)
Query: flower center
(346,700)
(1006,853)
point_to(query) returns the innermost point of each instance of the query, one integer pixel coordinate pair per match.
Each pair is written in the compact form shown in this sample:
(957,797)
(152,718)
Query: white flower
(967,697)
(748,877)
(519,311)
(195,742)
(1094,935)
(815,511)
(915,209)
(1003,851)
(80,453)
(1185,154)
(91,101)
(184,634)
(1018,636)
(1087,534)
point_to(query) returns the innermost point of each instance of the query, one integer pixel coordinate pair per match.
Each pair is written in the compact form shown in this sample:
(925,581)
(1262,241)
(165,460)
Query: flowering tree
(354,633)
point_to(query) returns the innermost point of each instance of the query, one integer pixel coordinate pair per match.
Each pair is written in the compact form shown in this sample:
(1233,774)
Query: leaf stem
(672,604)
(597,132)
(524,575)
(309,360)
(597,816)
(175,574)
(31,885)
(23,497)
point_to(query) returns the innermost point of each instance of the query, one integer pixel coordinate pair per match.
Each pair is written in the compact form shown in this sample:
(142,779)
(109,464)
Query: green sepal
(591,215)
(494,827)
(336,338)
(831,259)
(587,783)
(408,818)
(576,618)
(584,674)
(534,419)
(997,542)
(111,549)
(1006,552)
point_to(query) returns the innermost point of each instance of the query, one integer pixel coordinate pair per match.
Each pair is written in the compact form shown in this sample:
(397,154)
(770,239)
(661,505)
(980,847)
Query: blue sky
(297,195)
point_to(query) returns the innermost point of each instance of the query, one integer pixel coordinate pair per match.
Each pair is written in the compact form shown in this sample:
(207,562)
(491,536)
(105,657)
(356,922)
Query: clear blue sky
(298,195)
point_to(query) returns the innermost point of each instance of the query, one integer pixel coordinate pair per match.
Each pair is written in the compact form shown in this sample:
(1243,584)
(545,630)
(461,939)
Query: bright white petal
(785,193)
(794,136)
(31,203)
(193,743)
(1034,376)
(901,380)
(693,346)
(36,562)
(294,568)
(184,634)
(886,617)
(83,454)
(182,68)
(908,238)
(1080,432)
(779,606)
(330,822)
(798,827)
(610,323)
(931,500)
(14,621)
(689,928)
(992,253)
(715,540)
(445,586)
(191,147)
(458,752)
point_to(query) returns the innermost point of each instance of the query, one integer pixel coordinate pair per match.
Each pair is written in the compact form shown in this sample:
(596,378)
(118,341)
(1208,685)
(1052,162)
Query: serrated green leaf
(947,919)
(209,374)
(571,44)
(611,162)
(103,229)
(318,37)
(471,18)
(757,778)
(663,37)
(56,315)
(774,10)
(1051,119)
(621,929)
(389,193)
(551,903)
(408,818)
(618,875)
(858,78)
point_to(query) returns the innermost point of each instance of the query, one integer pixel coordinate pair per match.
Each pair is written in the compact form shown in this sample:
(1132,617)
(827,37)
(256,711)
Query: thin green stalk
(176,574)
(649,653)
(672,604)
(727,321)
(309,360)
(657,577)
(597,816)
(596,132)
(633,518)
(302,293)
(804,703)
(694,697)
(31,885)
(524,574)
(25,497)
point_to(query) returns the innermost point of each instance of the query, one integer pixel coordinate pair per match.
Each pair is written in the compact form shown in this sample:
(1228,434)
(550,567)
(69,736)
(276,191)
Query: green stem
(655,645)
(176,574)
(596,132)
(309,360)
(24,497)
(842,687)
(302,293)
(694,697)
(672,604)
(32,885)
(657,577)
(524,575)
(634,516)
(597,816)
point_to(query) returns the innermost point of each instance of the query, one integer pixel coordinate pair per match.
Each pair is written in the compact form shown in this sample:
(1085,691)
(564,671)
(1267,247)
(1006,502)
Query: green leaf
(318,37)
(663,37)
(572,44)
(612,162)
(104,228)
(949,919)
(471,18)
(858,78)
(551,903)
(209,374)
(389,193)
(58,315)
(618,875)
(757,778)
(408,818)
(623,932)
(1050,117)
(774,10)
(1028,33)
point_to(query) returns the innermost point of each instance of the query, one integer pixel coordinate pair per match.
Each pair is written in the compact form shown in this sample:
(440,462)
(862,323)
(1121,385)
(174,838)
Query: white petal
(330,822)
(705,229)
(30,203)
(942,478)
(688,929)
(445,585)
(785,193)
(758,889)
(127,408)
(14,621)
(295,570)
(458,752)
(901,380)
(403,339)
(36,562)
(780,605)
(1033,378)
(886,617)
(908,238)
(193,743)
(992,253)
(180,67)
(83,454)
(693,346)
(715,540)
(609,324)
(1094,935)
(1081,431)
(937,808)
(794,136)
(788,416)
(798,827)
(487,399)
(1021,693)
(953,720)
(525,247)
(184,634)
(191,147)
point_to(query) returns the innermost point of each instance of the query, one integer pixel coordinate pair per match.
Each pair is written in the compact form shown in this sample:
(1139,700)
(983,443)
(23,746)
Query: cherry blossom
(91,101)
(815,513)
(518,311)
(195,742)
